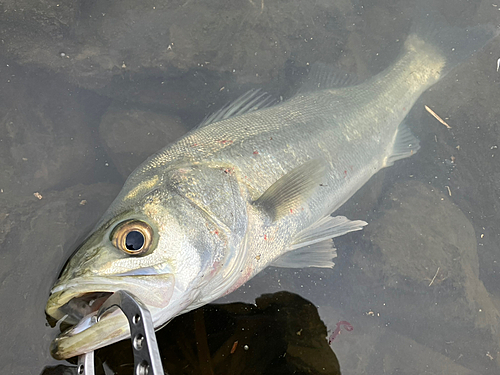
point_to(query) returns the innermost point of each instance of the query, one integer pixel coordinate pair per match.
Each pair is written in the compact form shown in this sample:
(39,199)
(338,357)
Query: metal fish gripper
(147,359)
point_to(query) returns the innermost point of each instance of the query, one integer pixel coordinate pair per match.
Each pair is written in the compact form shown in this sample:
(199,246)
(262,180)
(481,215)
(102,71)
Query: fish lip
(60,348)
(64,292)
(113,326)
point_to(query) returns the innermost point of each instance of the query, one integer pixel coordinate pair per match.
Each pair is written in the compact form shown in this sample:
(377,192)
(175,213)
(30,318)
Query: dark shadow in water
(280,334)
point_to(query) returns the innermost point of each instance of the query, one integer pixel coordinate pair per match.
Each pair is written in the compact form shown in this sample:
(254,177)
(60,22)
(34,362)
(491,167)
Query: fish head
(153,243)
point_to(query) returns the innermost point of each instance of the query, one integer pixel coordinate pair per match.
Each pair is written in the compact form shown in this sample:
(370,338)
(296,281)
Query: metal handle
(147,359)
(86,364)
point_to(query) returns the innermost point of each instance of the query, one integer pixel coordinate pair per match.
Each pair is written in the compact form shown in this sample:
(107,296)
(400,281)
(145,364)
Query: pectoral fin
(291,190)
(313,247)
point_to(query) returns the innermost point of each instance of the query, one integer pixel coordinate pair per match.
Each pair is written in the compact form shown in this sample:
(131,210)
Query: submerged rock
(37,236)
(130,136)
(45,132)
(373,348)
(423,263)
(97,42)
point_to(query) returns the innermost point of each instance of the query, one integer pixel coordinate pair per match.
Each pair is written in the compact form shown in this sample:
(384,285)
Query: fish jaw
(89,333)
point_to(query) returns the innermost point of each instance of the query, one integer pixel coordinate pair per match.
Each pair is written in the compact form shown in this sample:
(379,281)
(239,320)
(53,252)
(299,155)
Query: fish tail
(447,45)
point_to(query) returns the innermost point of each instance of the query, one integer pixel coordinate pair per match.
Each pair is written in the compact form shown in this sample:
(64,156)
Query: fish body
(243,192)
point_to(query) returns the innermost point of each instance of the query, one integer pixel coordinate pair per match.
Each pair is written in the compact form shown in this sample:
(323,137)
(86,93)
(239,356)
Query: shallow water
(89,90)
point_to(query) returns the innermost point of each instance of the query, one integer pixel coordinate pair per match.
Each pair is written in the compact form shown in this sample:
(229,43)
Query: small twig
(434,114)
(434,278)
(449,191)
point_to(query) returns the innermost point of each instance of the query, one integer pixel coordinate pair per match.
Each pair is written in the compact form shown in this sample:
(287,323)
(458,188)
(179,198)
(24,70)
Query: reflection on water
(280,334)
(90,88)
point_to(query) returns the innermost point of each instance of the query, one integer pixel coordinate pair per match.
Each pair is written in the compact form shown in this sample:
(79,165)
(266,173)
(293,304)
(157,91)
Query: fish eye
(133,237)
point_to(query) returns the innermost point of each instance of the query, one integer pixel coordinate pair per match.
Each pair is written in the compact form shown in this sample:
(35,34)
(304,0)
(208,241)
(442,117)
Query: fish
(256,184)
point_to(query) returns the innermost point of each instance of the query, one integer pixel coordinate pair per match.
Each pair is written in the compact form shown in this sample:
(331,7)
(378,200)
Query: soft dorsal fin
(323,76)
(291,190)
(248,102)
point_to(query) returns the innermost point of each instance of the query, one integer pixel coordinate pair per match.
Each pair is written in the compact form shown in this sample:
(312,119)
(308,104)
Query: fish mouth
(78,301)
(79,307)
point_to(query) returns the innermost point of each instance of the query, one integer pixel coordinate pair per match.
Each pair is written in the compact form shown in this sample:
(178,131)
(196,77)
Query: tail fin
(455,44)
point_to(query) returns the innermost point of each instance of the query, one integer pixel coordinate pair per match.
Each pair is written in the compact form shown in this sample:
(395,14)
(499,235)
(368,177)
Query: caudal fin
(454,43)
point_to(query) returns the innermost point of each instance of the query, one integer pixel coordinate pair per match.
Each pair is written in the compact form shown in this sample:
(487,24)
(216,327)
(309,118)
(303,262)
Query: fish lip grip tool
(147,359)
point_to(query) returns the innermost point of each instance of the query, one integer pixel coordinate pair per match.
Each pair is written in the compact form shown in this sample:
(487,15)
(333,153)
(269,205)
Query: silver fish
(255,185)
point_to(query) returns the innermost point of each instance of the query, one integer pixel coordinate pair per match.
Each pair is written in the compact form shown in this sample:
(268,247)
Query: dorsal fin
(250,101)
(323,76)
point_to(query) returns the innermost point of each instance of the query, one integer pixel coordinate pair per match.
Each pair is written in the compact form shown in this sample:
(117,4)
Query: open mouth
(75,305)
(81,332)
(83,306)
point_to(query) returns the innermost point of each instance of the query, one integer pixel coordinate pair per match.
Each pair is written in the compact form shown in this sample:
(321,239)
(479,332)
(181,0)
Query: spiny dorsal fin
(252,100)
(291,190)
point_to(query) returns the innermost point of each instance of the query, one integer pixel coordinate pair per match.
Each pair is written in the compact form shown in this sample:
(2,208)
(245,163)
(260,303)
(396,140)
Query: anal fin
(316,255)
(405,145)
(313,247)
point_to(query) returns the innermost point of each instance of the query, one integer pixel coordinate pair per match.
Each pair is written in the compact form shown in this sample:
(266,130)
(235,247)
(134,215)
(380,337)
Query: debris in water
(435,115)
(233,349)
(347,325)
(434,278)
